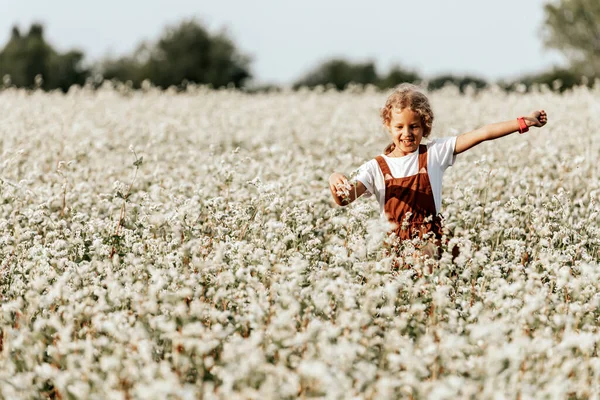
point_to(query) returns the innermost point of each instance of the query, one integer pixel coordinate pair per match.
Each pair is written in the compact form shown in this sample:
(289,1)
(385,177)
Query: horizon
(283,50)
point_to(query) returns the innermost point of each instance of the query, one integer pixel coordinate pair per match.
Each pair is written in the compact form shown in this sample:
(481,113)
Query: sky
(285,39)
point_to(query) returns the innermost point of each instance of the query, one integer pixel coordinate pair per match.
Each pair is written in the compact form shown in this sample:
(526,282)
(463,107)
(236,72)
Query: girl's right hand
(342,191)
(337,181)
(337,178)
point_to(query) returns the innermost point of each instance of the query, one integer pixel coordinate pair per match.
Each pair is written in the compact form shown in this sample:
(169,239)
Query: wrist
(523,124)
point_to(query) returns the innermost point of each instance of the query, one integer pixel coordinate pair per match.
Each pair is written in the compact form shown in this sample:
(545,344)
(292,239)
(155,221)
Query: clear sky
(490,38)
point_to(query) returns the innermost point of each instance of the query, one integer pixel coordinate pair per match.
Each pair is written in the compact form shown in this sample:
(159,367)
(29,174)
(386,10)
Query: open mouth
(407,142)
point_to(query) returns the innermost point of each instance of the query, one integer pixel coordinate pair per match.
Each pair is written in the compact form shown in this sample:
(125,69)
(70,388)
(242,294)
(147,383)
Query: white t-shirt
(440,155)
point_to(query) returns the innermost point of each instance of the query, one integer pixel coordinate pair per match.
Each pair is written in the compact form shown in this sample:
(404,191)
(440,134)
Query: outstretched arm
(342,191)
(494,131)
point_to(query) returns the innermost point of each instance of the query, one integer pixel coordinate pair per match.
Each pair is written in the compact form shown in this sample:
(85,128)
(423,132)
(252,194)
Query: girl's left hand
(537,118)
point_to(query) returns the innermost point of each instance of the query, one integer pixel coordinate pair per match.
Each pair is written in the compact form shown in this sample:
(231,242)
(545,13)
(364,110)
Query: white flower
(226,274)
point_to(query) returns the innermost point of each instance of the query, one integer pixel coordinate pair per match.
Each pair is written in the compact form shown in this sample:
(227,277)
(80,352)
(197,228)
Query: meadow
(185,245)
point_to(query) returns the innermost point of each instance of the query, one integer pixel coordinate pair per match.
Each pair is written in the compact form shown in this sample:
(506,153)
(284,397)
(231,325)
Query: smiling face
(406,129)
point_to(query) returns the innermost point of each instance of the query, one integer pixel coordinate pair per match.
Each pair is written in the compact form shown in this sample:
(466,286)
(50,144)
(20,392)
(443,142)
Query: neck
(397,152)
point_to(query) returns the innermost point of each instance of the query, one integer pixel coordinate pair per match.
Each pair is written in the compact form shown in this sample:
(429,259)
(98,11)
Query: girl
(407,178)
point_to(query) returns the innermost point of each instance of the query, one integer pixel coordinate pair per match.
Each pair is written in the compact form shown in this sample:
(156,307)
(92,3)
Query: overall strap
(385,169)
(422,158)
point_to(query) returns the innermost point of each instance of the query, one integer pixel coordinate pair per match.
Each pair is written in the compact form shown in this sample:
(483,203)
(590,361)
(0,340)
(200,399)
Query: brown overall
(411,194)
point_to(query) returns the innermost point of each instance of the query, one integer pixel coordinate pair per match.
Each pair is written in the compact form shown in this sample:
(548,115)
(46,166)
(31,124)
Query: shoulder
(370,166)
(367,173)
(441,142)
(441,151)
(369,170)
(442,145)
(373,163)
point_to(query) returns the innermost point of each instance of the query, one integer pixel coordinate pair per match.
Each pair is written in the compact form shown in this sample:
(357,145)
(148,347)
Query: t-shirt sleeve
(443,151)
(366,175)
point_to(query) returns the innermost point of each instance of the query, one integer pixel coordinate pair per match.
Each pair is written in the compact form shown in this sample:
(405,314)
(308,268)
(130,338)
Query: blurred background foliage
(188,53)
(184,53)
(573,27)
(30,61)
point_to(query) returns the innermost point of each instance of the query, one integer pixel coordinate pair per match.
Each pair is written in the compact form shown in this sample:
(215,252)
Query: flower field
(185,245)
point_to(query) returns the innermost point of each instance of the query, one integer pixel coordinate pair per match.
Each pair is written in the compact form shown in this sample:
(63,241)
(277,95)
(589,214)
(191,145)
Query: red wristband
(522,125)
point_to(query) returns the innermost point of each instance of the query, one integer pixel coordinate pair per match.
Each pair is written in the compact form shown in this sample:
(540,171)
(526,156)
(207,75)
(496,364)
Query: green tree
(24,57)
(462,82)
(558,79)
(185,52)
(573,27)
(339,73)
(132,68)
(396,76)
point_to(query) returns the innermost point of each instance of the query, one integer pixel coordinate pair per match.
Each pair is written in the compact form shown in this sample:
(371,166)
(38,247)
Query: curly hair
(408,96)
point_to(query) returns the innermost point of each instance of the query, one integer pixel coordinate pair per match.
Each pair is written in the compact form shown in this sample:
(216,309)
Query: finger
(339,183)
(337,179)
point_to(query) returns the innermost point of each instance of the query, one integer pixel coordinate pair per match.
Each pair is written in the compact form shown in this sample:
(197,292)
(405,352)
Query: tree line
(189,53)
